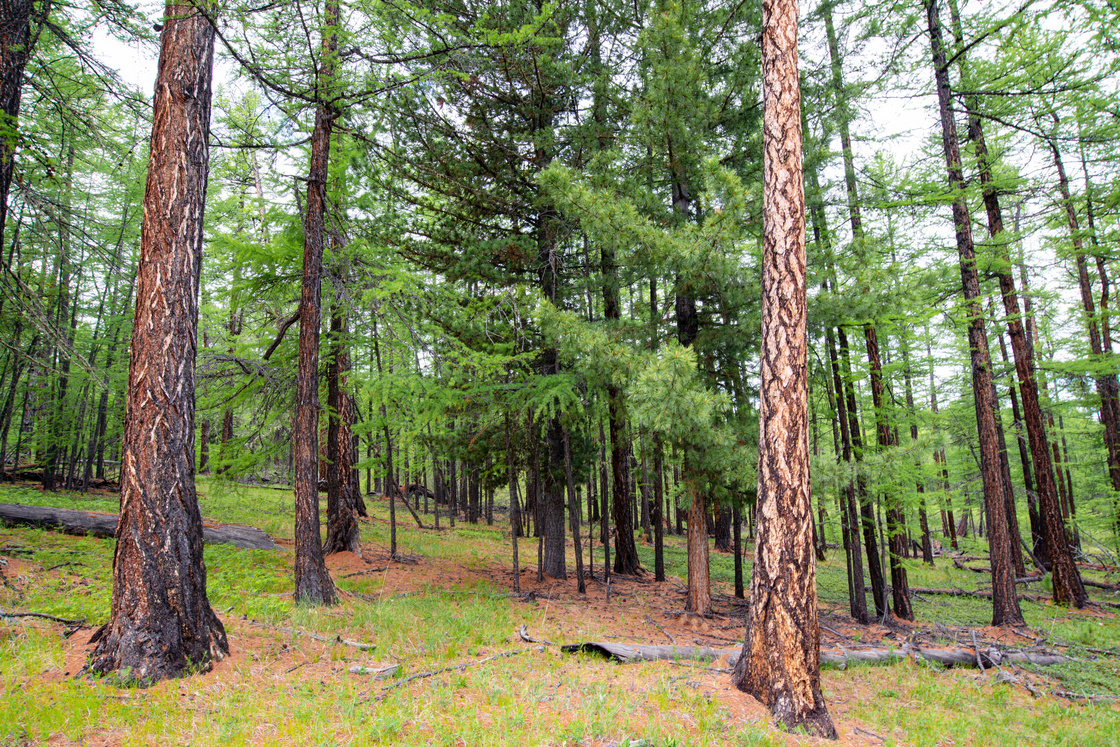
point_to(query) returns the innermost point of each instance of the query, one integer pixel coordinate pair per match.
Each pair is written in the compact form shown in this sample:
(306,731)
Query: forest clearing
(445,625)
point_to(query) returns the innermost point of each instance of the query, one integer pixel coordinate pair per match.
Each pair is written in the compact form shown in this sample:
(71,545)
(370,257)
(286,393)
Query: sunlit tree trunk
(780,664)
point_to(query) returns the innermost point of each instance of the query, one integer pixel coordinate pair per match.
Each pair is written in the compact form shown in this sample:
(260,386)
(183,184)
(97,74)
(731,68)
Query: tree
(780,664)
(313,582)
(161,624)
(1005,604)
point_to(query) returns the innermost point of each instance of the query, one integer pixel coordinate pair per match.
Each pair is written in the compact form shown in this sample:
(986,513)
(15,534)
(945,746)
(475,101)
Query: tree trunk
(573,512)
(699,598)
(312,581)
(343,534)
(896,533)
(780,664)
(1005,604)
(514,511)
(161,623)
(16,45)
(866,510)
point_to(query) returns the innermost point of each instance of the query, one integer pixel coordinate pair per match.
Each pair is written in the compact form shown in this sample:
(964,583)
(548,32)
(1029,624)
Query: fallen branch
(523,633)
(105,525)
(313,636)
(628,652)
(666,633)
(378,673)
(44,617)
(988,595)
(454,667)
(367,571)
(406,502)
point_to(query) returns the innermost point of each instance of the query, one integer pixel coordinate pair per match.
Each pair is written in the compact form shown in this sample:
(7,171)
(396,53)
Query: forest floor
(446,623)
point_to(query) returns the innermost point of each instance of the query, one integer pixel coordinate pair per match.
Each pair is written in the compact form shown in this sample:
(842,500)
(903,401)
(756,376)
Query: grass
(284,688)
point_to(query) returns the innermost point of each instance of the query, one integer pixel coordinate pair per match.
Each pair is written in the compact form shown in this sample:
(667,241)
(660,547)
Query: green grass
(287,689)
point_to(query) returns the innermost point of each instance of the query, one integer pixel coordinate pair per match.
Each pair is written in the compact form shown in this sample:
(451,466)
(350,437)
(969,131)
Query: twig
(459,667)
(368,570)
(976,646)
(869,733)
(725,670)
(1085,696)
(69,562)
(314,636)
(651,621)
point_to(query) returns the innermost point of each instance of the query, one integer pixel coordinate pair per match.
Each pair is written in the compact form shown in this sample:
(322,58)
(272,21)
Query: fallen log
(841,658)
(105,525)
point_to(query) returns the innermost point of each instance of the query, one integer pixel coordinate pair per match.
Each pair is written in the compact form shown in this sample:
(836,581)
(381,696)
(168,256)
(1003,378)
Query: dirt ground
(633,610)
(638,611)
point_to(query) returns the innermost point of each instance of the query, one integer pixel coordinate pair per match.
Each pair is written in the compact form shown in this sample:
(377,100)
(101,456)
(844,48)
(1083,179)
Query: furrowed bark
(161,623)
(781,656)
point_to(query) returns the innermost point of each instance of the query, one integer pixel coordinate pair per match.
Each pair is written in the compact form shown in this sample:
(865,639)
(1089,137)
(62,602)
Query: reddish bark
(161,623)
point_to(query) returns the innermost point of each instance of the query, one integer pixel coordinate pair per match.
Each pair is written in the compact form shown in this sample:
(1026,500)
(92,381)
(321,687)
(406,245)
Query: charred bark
(161,623)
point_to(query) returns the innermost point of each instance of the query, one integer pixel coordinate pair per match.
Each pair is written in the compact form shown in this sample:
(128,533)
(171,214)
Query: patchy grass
(443,613)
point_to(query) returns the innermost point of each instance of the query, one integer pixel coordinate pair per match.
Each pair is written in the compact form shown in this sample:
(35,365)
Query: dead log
(105,525)
(631,652)
(841,658)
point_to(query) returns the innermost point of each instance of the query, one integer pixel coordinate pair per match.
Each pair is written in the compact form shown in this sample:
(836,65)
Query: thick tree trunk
(161,623)
(657,517)
(514,509)
(625,551)
(312,581)
(1005,604)
(781,656)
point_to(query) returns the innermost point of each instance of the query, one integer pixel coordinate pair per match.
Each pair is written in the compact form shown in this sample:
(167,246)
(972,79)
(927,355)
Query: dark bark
(849,518)
(161,623)
(625,551)
(343,534)
(514,510)
(923,518)
(737,539)
(866,509)
(573,511)
(699,598)
(657,517)
(312,581)
(16,44)
(1005,604)
(780,664)
(896,533)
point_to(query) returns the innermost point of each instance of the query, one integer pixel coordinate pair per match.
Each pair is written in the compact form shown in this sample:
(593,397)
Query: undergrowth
(475,682)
